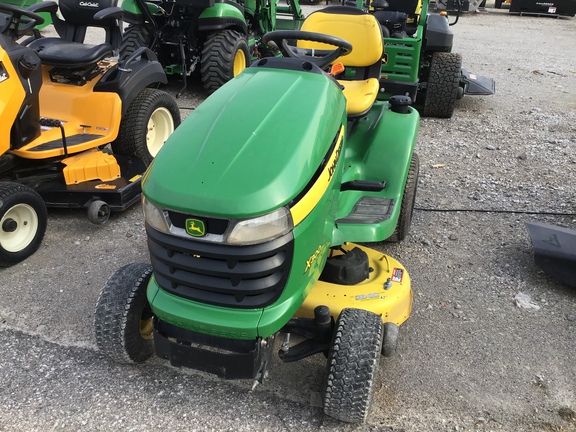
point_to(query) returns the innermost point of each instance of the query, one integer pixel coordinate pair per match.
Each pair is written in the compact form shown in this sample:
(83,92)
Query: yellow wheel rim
(146,327)
(239,62)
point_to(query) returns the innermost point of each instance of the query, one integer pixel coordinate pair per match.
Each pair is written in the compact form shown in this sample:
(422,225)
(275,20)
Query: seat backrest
(359,28)
(79,15)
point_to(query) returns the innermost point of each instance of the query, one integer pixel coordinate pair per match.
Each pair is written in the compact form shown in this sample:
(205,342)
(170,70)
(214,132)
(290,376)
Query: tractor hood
(249,148)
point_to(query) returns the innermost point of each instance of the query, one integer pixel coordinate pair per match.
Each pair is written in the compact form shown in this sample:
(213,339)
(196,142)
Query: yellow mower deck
(386,292)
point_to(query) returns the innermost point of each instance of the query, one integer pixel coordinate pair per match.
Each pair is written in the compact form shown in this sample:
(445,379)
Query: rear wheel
(224,56)
(443,84)
(134,37)
(23,220)
(150,120)
(353,365)
(408,200)
(123,318)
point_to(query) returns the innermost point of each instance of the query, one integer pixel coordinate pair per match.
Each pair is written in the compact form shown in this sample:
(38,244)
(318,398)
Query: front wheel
(443,84)
(23,220)
(225,55)
(353,365)
(149,121)
(123,318)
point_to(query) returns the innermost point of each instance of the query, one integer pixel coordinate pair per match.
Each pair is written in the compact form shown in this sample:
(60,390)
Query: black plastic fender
(130,76)
(438,36)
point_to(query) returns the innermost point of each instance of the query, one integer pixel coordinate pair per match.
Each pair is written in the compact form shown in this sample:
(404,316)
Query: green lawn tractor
(251,209)
(61,103)
(215,39)
(419,61)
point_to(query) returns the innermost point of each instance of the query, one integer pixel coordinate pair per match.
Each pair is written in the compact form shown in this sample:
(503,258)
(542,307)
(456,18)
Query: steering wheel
(320,58)
(13,27)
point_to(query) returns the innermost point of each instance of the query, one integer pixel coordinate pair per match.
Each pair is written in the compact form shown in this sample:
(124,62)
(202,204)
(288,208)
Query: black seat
(69,50)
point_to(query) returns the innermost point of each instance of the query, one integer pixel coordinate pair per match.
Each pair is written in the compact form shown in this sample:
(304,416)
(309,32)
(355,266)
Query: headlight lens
(155,217)
(261,228)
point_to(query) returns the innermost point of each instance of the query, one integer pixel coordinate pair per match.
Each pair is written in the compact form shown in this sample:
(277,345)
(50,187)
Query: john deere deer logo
(195,227)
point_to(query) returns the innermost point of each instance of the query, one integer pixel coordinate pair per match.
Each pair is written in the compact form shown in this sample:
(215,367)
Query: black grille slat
(216,285)
(250,276)
(217,267)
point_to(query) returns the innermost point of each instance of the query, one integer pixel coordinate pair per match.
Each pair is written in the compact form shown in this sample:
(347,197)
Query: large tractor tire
(224,56)
(123,318)
(408,200)
(134,37)
(149,121)
(443,84)
(23,220)
(353,365)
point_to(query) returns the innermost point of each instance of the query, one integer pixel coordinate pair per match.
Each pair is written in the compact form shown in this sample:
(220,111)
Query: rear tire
(134,37)
(408,200)
(23,221)
(443,83)
(149,121)
(123,318)
(224,56)
(353,365)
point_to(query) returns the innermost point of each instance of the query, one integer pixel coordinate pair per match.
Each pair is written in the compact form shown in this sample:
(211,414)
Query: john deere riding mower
(214,39)
(419,61)
(62,102)
(250,211)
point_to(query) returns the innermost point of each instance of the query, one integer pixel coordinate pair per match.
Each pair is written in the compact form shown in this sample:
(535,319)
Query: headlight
(261,228)
(155,217)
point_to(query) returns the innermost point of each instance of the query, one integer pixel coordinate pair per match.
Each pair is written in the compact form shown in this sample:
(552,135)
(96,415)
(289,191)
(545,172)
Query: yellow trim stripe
(303,207)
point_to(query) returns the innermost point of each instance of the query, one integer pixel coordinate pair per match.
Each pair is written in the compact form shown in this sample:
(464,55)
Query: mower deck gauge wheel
(98,212)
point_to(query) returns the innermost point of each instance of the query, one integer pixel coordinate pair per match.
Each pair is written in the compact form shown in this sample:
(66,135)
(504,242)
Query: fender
(438,36)
(136,12)
(223,15)
(389,161)
(126,79)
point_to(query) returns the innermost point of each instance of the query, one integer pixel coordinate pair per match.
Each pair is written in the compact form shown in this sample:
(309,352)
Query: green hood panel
(249,148)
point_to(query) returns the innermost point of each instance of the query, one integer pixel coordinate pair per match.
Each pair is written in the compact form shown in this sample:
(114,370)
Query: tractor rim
(239,62)
(160,126)
(18,228)
(146,327)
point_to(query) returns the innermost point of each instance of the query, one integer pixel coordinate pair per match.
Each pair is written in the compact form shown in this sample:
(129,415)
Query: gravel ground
(469,358)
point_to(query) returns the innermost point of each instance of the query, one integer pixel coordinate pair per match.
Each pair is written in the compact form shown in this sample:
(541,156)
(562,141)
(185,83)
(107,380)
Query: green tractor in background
(418,60)
(215,38)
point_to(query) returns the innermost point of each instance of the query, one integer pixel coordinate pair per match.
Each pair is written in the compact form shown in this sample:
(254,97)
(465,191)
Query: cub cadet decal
(313,257)
(89,4)
(195,227)
(105,186)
